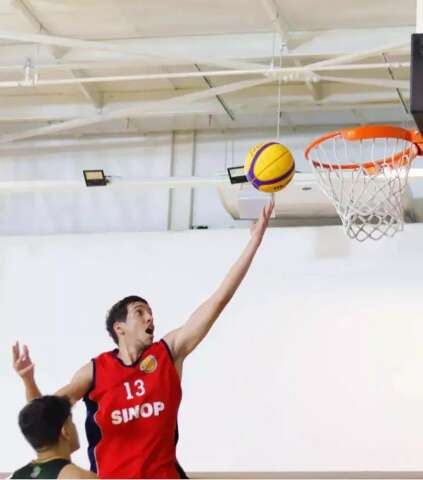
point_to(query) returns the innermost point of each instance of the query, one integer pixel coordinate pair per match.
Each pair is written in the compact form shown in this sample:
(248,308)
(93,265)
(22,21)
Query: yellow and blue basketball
(269,167)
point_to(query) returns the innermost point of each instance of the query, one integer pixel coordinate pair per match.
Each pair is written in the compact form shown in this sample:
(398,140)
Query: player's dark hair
(42,419)
(119,312)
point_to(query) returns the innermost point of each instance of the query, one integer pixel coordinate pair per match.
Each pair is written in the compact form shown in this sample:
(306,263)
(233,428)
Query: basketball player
(132,393)
(46,423)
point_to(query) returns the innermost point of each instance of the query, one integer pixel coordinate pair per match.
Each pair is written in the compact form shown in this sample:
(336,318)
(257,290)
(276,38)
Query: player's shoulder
(164,345)
(106,354)
(22,472)
(158,347)
(73,471)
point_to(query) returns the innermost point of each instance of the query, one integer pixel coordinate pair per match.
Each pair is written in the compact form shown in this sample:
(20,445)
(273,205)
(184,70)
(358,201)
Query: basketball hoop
(364,171)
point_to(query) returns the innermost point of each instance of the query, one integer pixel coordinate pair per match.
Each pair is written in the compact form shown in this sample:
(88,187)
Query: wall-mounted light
(237,175)
(95,178)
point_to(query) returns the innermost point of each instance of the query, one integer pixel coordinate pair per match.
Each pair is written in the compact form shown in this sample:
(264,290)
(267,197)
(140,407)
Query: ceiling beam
(105,46)
(359,55)
(54,108)
(127,112)
(278,22)
(371,82)
(89,92)
(35,24)
(314,88)
(246,48)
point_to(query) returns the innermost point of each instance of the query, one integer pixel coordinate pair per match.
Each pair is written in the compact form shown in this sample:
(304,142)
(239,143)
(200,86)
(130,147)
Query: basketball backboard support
(416,79)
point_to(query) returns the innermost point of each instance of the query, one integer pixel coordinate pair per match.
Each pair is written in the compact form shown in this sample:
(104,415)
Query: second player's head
(46,423)
(131,321)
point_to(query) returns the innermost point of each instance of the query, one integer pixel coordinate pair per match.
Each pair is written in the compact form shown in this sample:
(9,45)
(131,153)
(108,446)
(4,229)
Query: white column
(419,17)
(181,200)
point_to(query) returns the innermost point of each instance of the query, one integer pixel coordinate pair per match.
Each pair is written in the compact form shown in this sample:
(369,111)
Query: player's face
(139,323)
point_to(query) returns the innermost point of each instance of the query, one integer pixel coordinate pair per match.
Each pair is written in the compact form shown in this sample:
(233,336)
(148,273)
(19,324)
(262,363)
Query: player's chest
(130,395)
(150,379)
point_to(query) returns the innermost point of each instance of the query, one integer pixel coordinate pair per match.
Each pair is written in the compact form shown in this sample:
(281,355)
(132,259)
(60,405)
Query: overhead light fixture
(95,178)
(237,175)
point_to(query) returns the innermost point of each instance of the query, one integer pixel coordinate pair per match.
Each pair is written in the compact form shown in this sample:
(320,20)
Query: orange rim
(417,139)
(366,133)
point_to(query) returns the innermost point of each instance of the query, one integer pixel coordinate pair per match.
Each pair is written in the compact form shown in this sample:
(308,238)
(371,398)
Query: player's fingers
(263,215)
(18,351)
(269,209)
(267,213)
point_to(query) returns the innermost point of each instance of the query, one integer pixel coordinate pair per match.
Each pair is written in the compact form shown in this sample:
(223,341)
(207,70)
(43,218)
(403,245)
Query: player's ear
(65,431)
(118,328)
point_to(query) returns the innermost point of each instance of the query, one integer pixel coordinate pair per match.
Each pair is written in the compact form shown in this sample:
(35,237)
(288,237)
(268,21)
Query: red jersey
(132,413)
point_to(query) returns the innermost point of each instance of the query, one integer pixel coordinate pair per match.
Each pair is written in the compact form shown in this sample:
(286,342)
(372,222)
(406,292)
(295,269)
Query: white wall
(316,364)
(203,153)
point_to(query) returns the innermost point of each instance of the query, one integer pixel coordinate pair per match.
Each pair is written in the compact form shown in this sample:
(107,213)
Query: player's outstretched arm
(183,340)
(24,367)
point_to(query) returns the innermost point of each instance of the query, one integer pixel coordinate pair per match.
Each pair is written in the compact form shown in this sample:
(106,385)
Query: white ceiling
(67,40)
(133,18)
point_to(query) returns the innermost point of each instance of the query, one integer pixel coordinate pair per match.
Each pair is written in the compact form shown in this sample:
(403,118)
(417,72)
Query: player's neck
(130,353)
(59,451)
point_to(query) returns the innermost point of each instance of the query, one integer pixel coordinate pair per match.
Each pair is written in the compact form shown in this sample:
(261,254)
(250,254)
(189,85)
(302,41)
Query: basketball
(269,167)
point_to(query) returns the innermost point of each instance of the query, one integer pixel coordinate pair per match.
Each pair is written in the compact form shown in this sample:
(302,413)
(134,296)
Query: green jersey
(50,469)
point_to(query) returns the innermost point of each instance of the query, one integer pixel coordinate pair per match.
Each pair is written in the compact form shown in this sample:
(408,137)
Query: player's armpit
(72,471)
(183,340)
(79,385)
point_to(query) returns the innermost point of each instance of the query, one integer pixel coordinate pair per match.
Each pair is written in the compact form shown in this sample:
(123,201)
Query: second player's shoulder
(23,472)
(73,471)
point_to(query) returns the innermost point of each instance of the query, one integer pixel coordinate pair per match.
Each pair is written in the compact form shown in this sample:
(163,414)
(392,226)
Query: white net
(365,179)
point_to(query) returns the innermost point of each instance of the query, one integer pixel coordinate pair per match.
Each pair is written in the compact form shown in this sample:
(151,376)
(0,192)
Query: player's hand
(22,362)
(259,226)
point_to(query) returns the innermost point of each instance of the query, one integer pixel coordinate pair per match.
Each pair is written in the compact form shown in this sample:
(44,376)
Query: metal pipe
(213,73)
(119,65)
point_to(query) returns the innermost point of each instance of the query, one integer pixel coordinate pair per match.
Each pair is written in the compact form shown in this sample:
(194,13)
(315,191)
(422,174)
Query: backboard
(416,79)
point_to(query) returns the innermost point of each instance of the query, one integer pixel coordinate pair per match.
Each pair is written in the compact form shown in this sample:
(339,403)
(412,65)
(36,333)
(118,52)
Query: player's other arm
(183,340)
(79,385)
(24,367)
